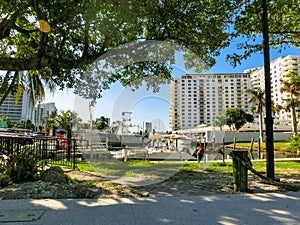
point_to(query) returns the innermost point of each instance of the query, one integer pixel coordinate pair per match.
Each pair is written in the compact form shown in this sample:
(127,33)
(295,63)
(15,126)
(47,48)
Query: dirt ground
(96,185)
(193,183)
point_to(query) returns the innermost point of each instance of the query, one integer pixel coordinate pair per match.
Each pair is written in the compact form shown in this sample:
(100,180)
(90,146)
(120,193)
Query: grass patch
(284,168)
(85,167)
(140,163)
(131,168)
(115,186)
(220,166)
(216,166)
(280,167)
(279,145)
(136,168)
(82,182)
(130,174)
(190,166)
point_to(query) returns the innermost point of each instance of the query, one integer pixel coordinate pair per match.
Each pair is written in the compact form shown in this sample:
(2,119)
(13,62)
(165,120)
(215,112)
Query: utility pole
(268,118)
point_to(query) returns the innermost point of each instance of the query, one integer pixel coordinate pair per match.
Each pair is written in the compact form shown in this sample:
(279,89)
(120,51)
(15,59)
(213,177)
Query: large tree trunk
(91,115)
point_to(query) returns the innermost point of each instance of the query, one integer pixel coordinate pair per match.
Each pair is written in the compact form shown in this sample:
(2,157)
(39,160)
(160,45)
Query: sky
(147,106)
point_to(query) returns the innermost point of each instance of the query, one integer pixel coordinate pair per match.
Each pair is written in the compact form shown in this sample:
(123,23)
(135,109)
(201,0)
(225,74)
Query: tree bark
(294,121)
(261,132)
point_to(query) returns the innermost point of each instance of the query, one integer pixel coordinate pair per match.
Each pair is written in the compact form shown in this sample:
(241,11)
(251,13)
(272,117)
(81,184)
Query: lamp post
(268,118)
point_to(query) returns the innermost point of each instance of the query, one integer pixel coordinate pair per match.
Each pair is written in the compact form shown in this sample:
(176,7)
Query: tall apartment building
(198,98)
(278,68)
(41,112)
(17,112)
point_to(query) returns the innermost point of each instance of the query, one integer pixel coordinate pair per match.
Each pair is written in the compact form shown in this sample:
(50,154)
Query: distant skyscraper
(22,110)
(41,112)
(147,127)
(197,99)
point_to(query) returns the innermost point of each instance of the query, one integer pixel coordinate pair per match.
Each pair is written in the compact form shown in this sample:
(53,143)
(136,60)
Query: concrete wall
(229,137)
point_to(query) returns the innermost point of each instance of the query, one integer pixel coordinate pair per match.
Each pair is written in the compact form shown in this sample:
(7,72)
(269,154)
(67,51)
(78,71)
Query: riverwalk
(262,208)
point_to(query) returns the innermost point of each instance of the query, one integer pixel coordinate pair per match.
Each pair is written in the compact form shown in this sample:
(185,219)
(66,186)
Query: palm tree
(291,105)
(9,85)
(6,121)
(50,122)
(220,120)
(276,108)
(291,86)
(257,97)
(67,119)
(18,82)
(101,123)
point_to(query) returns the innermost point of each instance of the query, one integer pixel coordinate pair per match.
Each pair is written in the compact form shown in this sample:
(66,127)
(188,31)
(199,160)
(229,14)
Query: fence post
(74,154)
(234,142)
(69,136)
(259,153)
(240,172)
(126,153)
(251,148)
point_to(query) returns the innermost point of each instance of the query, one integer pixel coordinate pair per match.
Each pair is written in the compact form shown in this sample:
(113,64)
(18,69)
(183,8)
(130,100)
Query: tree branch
(24,31)
(284,32)
(37,63)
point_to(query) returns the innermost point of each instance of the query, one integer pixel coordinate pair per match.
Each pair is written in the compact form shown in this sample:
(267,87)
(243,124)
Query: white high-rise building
(41,112)
(197,99)
(278,69)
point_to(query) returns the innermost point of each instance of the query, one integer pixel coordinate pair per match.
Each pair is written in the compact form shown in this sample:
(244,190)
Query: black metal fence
(52,150)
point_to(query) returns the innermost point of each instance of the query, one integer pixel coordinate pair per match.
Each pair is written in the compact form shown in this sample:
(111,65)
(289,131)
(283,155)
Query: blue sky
(147,106)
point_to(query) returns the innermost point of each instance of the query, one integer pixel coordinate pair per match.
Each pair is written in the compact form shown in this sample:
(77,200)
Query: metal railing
(60,151)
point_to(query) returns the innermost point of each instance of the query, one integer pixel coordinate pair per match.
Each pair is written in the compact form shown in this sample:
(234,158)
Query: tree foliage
(18,83)
(236,118)
(101,123)
(67,120)
(295,143)
(284,27)
(58,40)
(6,119)
(258,98)
(220,120)
(24,125)
(291,87)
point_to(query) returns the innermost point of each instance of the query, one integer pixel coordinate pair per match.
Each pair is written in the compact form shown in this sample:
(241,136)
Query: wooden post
(251,148)
(223,150)
(240,172)
(234,143)
(259,153)
(125,154)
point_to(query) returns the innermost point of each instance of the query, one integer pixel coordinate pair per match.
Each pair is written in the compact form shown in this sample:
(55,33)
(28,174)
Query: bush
(295,143)
(22,166)
(4,180)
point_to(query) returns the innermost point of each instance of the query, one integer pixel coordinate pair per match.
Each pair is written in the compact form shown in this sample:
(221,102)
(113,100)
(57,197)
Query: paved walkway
(267,208)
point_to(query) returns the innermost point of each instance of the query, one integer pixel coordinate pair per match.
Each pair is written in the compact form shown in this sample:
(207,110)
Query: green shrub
(295,143)
(4,180)
(22,166)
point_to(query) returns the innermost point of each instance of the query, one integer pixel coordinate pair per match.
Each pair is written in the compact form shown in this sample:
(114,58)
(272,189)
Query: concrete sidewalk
(269,208)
